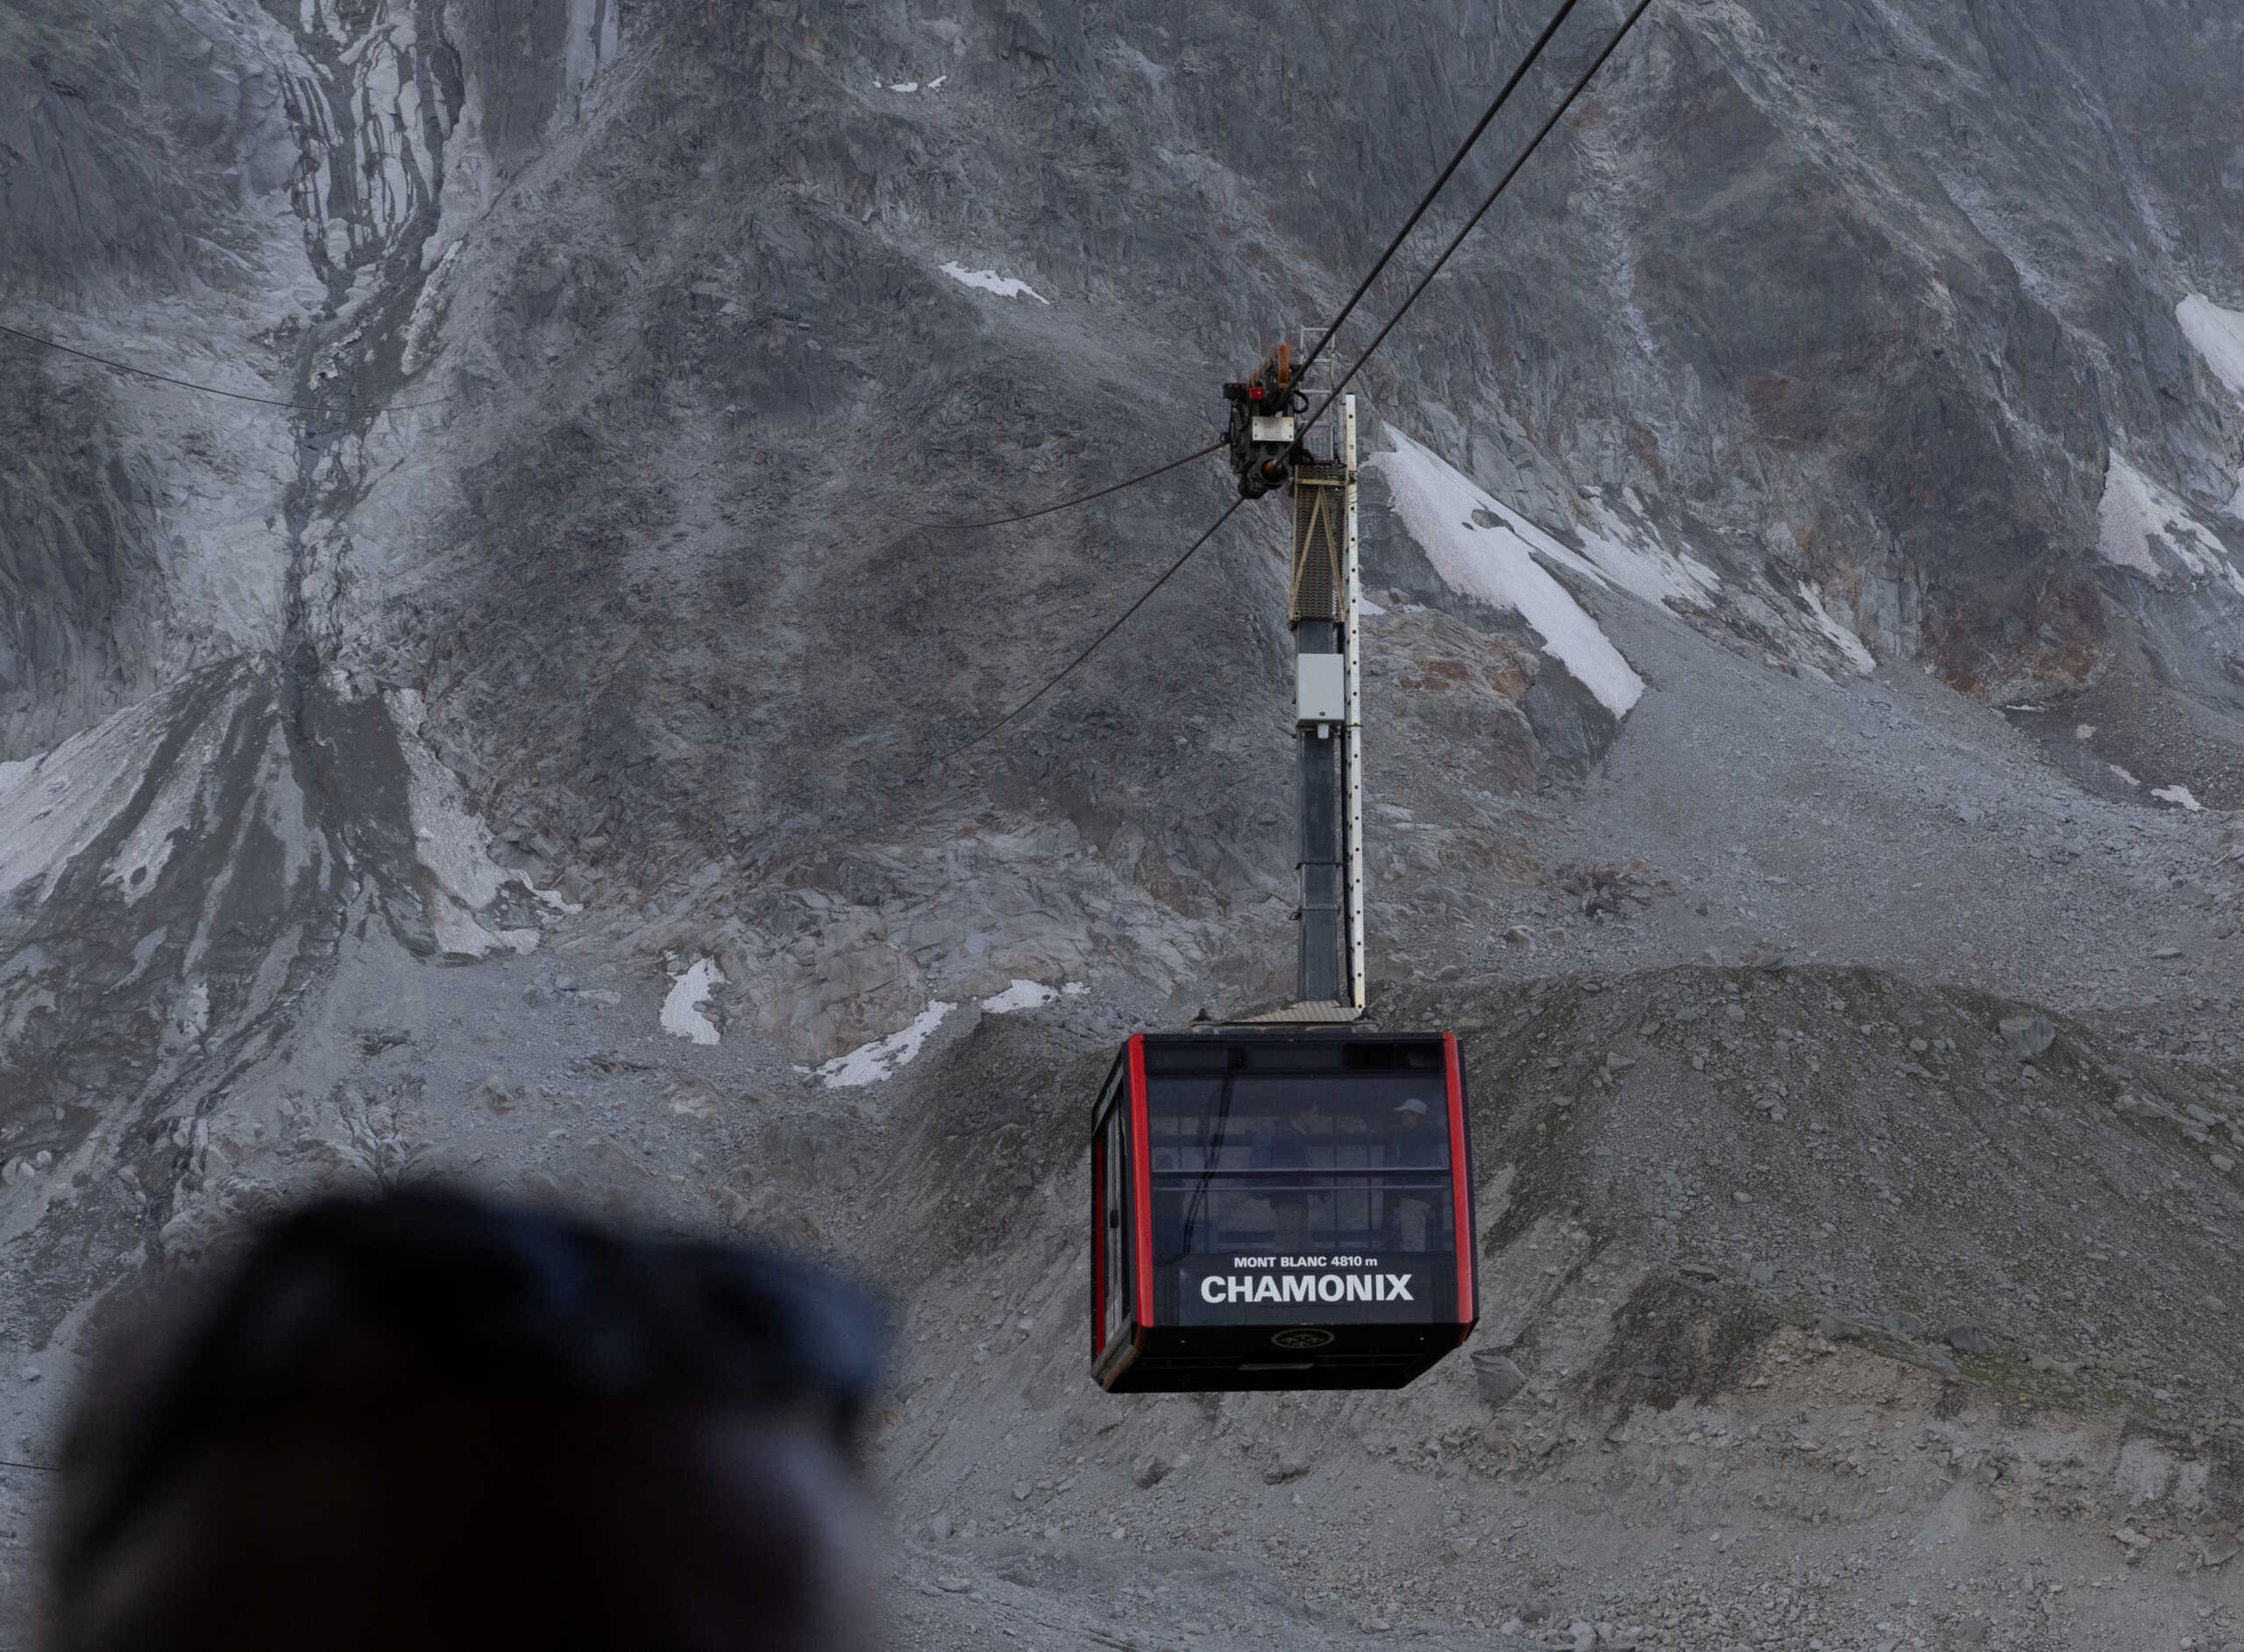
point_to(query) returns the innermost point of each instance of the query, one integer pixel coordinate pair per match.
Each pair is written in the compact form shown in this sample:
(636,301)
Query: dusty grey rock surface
(528,755)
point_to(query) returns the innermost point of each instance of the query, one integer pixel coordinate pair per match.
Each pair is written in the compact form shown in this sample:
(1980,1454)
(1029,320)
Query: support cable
(1425,201)
(1053,680)
(1082,499)
(1495,193)
(1503,184)
(208,390)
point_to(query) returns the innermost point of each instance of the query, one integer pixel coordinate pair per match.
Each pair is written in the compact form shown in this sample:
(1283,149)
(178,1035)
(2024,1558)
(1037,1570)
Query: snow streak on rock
(1028,994)
(2140,520)
(870,1063)
(452,841)
(1498,564)
(136,867)
(593,32)
(1633,557)
(1841,639)
(370,135)
(991,281)
(682,1016)
(54,805)
(2218,334)
(1022,995)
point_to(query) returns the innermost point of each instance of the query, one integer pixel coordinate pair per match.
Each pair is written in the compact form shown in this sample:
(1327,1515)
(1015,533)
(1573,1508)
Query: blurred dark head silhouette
(427,1420)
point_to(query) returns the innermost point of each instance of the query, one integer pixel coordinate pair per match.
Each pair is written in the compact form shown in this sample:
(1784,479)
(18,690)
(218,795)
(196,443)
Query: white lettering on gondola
(1217,1289)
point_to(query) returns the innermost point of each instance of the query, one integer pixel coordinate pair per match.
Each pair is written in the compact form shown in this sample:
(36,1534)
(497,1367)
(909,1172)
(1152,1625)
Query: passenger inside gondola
(1301,1142)
(1404,1229)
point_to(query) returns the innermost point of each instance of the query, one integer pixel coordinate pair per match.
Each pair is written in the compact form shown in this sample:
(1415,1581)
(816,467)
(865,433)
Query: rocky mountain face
(518,730)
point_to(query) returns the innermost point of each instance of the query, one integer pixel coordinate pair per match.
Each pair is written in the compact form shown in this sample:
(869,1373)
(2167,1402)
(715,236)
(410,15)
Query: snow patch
(870,1063)
(991,281)
(2179,795)
(287,810)
(53,806)
(594,29)
(682,1016)
(1498,565)
(1022,995)
(422,340)
(141,858)
(1027,995)
(2084,731)
(2138,518)
(2218,334)
(193,1018)
(1846,642)
(1635,558)
(144,953)
(555,899)
(1369,609)
(2123,774)
(451,840)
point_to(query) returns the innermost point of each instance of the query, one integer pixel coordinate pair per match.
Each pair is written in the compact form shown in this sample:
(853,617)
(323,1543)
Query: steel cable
(1480,212)
(1496,107)
(1503,184)
(1053,680)
(1426,200)
(208,390)
(1080,499)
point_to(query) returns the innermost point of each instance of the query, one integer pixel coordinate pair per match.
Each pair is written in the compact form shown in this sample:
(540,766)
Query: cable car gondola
(1294,1209)
(1281,1209)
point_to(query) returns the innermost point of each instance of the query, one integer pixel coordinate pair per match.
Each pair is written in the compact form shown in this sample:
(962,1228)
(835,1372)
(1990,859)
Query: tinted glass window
(1337,1183)
(1355,1121)
(1115,1223)
(1382,1216)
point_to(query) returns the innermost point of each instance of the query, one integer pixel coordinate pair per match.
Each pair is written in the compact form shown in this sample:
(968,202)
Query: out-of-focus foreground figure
(430,1421)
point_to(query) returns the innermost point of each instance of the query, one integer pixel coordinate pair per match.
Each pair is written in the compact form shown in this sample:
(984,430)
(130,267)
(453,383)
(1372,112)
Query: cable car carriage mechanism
(1288,1203)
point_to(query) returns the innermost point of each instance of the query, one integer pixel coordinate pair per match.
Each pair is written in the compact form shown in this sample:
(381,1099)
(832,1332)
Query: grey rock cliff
(584,631)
